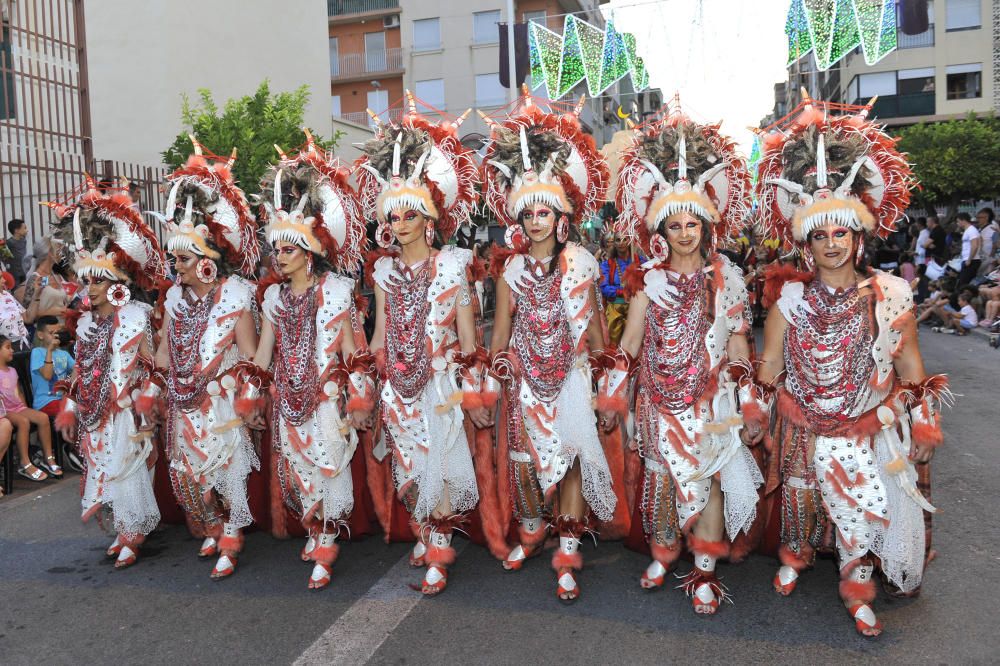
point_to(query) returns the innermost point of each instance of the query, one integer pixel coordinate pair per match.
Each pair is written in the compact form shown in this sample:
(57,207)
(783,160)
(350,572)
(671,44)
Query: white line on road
(361,630)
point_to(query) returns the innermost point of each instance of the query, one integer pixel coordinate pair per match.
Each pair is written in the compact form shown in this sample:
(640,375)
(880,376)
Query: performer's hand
(608,421)
(751,434)
(922,454)
(360,419)
(68,433)
(256,420)
(481,418)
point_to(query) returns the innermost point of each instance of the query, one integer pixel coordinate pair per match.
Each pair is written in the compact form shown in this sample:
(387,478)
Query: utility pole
(511,60)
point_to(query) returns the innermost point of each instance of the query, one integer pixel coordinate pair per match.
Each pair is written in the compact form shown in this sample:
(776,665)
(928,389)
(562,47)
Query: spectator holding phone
(49,364)
(44,292)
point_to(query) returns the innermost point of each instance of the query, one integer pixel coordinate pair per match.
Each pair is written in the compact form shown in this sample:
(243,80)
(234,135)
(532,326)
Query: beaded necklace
(295,374)
(541,335)
(93,358)
(674,372)
(407,307)
(828,357)
(186,386)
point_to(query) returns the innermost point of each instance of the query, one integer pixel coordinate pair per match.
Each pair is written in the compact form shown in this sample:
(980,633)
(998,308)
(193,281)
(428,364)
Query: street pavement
(61,601)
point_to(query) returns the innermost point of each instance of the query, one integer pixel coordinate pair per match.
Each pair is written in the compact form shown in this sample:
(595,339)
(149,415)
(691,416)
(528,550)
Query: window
(375,52)
(489,92)
(962,14)
(378,101)
(964,81)
(335,105)
(484,27)
(536,17)
(432,92)
(334,57)
(427,34)
(916,81)
(879,83)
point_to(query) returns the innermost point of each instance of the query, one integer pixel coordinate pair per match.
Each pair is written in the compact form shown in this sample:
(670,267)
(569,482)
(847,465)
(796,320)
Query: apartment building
(448,55)
(944,72)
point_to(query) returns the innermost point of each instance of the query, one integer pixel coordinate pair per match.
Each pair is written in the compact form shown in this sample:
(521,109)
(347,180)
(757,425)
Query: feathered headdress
(538,156)
(310,203)
(207,213)
(674,165)
(817,169)
(421,165)
(108,237)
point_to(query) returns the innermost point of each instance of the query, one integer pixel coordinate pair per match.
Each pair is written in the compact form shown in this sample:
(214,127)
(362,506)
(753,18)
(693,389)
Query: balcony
(351,66)
(362,117)
(902,106)
(920,40)
(339,8)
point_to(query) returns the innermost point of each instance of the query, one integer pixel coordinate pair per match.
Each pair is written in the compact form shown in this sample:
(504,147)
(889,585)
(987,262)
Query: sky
(722,56)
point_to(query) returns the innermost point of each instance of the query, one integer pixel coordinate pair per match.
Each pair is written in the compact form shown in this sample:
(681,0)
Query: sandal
(865,621)
(320,576)
(306,554)
(224,567)
(418,553)
(115,548)
(52,468)
(38,475)
(567,590)
(435,580)
(705,589)
(517,557)
(209,548)
(785,580)
(126,557)
(652,577)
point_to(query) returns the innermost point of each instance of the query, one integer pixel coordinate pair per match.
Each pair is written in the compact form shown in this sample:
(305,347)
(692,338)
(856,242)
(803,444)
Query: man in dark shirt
(17,241)
(938,249)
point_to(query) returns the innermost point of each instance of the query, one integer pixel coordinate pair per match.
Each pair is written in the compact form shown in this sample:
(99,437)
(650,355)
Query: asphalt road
(61,602)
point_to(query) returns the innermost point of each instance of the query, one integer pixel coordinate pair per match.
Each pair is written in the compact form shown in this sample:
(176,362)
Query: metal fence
(45,137)
(370,62)
(342,7)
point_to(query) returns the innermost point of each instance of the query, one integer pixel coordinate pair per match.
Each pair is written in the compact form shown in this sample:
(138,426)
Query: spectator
(937,249)
(12,317)
(17,241)
(921,242)
(986,222)
(961,321)
(613,270)
(921,285)
(22,418)
(44,291)
(6,430)
(49,364)
(971,244)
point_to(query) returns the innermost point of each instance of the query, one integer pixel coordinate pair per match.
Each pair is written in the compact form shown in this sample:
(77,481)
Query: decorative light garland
(833,28)
(583,51)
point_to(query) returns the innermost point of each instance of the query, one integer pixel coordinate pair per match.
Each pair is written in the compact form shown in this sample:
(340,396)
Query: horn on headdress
(396,153)
(277,190)
(232,159)
(197,146)
(525,153)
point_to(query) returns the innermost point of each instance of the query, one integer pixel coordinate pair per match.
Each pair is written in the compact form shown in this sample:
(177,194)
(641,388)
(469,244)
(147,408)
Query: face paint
(832,246)
(539,222)
(683,232)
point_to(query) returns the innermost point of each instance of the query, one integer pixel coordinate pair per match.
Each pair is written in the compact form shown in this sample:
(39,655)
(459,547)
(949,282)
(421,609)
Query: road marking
(361,630)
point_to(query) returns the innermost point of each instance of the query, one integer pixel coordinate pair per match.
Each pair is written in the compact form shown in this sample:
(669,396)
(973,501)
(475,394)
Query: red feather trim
(716,549)
(665,555)
(490,516)
(145,405)
(245,406)
(440,556)
(498,261)
(775,277)
(231,545)
(325,554)
(797,561)
(924,434)
(272,277)
(359,404)
(476,269)
(471,400)
(561,560)
(66,419)
(752,413)
(370,258)
(634,280)
(607,403)
(530,539)
(851,590)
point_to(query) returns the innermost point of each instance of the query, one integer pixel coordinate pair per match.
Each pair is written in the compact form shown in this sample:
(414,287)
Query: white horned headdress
(819,169)
(675,164)
(421,165)
(207,214)
(309,202)
(539,156)
(108,237)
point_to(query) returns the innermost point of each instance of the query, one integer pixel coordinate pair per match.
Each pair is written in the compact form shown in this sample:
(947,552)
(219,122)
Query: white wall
(143,56)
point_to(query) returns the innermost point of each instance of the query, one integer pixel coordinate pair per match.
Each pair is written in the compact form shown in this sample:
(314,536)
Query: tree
(954,160)
(252,124)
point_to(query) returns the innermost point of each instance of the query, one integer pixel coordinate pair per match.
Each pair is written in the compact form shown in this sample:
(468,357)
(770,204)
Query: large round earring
(515,239)
(429,232)
(562,229)
(119,294)
(659,247)
(384,236)
(206,270)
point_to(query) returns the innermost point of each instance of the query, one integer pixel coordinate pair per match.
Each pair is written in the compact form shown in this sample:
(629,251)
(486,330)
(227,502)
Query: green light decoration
(583,52)
(833,28)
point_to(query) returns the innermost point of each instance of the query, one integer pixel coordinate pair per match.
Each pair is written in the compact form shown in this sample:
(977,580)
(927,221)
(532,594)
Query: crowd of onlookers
(36,296)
